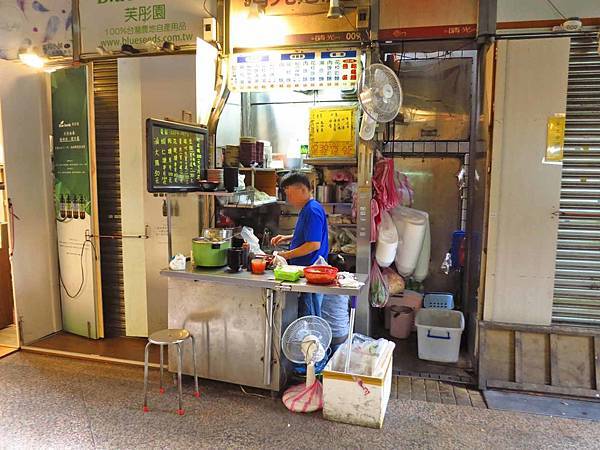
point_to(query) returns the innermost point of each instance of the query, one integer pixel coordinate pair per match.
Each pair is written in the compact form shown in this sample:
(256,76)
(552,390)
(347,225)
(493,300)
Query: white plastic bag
(411,225)
(422,268)
(320,262)
(248,234)
(387,241)
(279,261)
(178,262)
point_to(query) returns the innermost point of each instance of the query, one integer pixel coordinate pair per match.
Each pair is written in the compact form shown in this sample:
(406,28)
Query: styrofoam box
(356,399)
(439,331)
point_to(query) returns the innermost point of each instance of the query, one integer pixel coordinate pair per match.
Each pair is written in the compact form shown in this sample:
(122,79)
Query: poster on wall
(77,252)
(110,24)
(45,26)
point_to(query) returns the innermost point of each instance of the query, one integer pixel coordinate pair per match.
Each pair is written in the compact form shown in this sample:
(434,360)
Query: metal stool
(169,337)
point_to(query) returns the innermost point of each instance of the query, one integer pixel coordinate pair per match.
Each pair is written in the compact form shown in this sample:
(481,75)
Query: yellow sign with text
(556,138)
(332,132)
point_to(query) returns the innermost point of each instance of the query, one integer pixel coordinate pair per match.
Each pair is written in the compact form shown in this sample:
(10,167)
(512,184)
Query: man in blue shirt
(310,239)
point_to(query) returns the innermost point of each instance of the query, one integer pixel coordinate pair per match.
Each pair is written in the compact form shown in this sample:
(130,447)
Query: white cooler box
(439,331)
(357,399)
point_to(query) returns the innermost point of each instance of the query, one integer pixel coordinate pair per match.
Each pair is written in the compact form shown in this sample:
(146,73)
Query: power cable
(556,9)
(87,239)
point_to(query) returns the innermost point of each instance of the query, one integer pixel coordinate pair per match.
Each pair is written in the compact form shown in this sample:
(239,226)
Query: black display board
(176,156)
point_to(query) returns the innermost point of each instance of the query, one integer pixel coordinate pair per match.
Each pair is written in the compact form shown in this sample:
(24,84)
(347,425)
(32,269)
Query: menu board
(260,71)
(332,132)
(176,155)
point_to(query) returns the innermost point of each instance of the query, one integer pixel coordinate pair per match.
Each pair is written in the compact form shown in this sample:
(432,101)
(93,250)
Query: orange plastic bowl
(320,274)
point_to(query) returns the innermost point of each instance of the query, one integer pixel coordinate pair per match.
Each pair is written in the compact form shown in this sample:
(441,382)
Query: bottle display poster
(71,148)
(78,253)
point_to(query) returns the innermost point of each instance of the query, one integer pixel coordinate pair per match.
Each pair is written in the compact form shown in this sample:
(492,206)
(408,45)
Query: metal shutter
(577,282)
(106,106)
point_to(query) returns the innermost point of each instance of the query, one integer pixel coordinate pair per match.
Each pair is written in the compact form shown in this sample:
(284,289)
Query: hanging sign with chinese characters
(298,70)
(332,132)
(110,24)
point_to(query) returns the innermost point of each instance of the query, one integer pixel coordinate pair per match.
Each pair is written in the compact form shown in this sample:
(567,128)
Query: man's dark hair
(295,178)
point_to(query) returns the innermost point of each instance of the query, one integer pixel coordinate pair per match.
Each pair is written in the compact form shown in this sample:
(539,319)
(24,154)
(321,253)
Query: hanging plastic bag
(279,261)
(378,290)
(404,188)
(387,241)
(394,281)
(248,234)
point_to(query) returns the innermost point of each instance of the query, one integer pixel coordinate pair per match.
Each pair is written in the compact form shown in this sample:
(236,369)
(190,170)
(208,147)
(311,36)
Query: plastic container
(408,298)
(439,332)
(356,398)
(258,266)
(285,274)
(401,321)
(438,300)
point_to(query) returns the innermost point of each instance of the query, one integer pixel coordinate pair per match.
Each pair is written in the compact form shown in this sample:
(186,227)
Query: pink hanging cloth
(385,192)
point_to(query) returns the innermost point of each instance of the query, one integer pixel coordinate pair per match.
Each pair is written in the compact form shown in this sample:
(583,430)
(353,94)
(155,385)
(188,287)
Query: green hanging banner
(71,143)
(77,252)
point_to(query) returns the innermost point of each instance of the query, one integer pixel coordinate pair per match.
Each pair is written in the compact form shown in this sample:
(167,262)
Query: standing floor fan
(306,341)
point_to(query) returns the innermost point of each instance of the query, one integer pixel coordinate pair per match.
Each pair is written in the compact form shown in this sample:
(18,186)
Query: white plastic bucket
(439,331)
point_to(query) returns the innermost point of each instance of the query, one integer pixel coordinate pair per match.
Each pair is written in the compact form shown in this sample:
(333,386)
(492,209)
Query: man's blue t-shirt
(311,227)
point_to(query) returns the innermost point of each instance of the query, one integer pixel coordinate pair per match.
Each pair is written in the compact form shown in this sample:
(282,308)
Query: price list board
(332,132)
(176,155)
(301,70)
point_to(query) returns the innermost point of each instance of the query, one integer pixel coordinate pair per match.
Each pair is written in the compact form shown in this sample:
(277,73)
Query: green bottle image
(75,207)
(68,207)
(82,207)
(63,212)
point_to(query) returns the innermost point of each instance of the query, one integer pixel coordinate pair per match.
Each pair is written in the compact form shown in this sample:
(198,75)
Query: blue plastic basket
(438,300)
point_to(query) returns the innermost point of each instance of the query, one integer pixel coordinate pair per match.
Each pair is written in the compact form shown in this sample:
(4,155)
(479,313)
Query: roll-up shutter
(577,282)
(106,108)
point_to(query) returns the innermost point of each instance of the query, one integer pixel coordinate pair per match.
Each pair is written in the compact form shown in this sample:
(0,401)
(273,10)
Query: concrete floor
(51,402)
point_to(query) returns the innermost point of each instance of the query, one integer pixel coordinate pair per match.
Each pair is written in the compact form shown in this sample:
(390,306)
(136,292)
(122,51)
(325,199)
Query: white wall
(526,10)
(158,87)
(26,126)
(531,86)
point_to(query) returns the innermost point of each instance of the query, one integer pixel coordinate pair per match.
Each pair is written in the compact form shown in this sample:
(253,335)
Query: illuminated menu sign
(317,69)
(176,155)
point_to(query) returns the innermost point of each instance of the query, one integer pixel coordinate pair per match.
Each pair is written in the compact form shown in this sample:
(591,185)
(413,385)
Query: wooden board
(546,359)
(6,294)
(575,361)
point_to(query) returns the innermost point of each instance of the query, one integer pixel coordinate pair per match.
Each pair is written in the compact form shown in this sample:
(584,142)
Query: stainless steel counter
(238,320)
(266,280)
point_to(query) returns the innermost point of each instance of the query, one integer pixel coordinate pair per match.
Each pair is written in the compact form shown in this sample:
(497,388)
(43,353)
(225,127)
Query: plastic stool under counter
(174,337)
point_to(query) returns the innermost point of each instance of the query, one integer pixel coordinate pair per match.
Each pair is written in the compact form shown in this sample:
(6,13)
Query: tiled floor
(52,402)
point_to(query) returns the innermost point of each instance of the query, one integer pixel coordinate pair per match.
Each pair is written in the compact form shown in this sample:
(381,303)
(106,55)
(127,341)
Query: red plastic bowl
(320,274)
